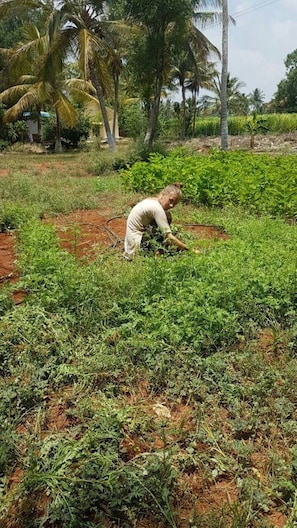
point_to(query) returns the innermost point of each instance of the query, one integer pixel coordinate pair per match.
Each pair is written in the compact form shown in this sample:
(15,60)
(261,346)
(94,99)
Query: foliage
(11,132)
(255,125)
(237,125)
(17,131)
(285,96)
(132,120)
(133,392)
(14,215)
(10,32)
(261,183)
(3,144)
(256,99)
(238,102)
(70,137)
(166,28)
(39,80)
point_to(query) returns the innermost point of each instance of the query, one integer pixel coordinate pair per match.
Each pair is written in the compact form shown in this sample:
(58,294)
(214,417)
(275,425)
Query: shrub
(261,183)
(70,136)
(132,120)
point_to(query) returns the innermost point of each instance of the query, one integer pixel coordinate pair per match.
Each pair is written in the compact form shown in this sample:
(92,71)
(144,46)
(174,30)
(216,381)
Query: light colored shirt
(141,216)
(144,212)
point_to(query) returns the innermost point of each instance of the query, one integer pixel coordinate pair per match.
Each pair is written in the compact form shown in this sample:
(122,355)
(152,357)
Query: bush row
(261,183)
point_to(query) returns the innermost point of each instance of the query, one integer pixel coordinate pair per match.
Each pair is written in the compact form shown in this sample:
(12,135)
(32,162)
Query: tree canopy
(286,95)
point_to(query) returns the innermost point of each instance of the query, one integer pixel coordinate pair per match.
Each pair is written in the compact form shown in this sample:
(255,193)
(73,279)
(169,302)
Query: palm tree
(201,78)
(192,60)
(165,27)
(236,100)
(224,79)
(87,35)
(256,99)
(84,31)
(182,73)
(118,36)
(39,61)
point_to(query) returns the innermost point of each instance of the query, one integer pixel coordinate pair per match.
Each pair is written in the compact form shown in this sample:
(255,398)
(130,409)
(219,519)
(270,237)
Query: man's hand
(172,240)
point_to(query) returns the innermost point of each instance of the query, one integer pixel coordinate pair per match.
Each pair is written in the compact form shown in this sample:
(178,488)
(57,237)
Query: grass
(155,393)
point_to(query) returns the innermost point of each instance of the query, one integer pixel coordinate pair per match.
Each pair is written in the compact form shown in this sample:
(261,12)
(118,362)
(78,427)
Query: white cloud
(285,29)
(256,71)
(290,4)
(259,42)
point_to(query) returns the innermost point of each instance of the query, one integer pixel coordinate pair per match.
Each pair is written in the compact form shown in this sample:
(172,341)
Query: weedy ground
(158,393)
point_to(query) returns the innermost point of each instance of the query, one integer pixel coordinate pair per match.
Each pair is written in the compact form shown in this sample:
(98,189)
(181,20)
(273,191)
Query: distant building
(33,122)
(97,125)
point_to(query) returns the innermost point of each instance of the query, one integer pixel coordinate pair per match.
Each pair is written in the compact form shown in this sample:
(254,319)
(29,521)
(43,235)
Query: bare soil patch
(269,143)
(83,233)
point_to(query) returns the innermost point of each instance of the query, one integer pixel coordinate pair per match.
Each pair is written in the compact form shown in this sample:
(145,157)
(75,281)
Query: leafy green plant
(261,184)
(256,124)
(96,347)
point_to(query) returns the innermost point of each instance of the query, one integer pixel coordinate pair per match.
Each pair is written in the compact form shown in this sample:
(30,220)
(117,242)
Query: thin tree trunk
(58,142)
(115,107)
(99,92)
(224,77)
(153,117)
(154,110)
(38,123)
(183,130)
(194,99)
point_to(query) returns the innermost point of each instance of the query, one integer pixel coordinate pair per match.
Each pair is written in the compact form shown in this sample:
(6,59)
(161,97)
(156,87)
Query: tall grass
(275,123)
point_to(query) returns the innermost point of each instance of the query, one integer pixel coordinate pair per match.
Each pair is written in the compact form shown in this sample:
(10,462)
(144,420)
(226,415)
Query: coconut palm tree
(165,26)
(39,63)
(201,78)
(256,99)
(191,67)
(237,102)
(224,79)
(86,33)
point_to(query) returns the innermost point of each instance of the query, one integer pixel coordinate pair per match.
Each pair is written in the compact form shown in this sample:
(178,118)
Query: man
(152,211)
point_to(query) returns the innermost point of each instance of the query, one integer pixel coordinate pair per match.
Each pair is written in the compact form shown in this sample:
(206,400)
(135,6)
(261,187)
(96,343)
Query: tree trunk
(224,77)
(99,92)
(183,130)
(153,117)
(58,142)
(194,99)
(38,123)
(115,107)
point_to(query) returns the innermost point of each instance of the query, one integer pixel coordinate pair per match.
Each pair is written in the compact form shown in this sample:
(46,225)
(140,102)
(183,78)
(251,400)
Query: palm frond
(25,102)
(45,91)
(17,7)
(84,49)
(14,92)
(80,85)
(67,113)
(30,32)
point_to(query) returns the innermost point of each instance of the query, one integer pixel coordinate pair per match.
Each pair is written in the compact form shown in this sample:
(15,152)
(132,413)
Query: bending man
(152,211)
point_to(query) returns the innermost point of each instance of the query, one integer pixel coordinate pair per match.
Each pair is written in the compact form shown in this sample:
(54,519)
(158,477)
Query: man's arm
(172,240)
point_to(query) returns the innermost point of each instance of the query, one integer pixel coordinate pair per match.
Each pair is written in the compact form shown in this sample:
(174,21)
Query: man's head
(170,196)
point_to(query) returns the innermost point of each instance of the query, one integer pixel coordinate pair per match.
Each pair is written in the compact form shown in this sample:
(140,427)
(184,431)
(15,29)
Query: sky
(264,34)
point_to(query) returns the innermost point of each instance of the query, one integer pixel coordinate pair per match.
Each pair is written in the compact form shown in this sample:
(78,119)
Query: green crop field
(158,393)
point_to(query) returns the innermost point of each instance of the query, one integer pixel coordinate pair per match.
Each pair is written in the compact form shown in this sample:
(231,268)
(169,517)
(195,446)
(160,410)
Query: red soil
(83,233)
